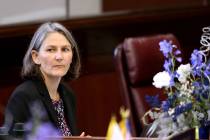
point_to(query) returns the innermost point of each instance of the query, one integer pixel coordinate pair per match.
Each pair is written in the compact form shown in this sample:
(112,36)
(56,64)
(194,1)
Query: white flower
(200,116)
(186,89)
(171,111)
(184,72)
(161,79)
(208,115)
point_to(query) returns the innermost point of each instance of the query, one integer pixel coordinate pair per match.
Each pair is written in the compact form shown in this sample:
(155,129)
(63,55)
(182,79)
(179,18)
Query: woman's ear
(35,58)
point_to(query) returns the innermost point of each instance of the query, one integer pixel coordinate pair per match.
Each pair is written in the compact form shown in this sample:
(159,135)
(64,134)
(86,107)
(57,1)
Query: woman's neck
(52,87)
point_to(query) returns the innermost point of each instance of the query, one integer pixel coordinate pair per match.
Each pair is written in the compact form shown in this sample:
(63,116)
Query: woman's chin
(59,74)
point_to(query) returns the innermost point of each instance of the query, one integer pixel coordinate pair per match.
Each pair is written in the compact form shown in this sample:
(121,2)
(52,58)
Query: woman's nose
(58,55)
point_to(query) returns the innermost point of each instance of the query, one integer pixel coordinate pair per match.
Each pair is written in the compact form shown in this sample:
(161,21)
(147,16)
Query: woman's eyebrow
(68,45)
(54,46)
(51,46)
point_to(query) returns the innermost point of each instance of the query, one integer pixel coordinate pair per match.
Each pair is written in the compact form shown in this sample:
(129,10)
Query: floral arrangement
(187,87)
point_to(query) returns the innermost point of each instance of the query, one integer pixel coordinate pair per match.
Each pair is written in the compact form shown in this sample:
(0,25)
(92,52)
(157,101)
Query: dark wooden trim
(116,5)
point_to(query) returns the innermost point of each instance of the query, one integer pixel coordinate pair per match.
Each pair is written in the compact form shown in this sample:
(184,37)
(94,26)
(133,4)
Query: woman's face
(54,56)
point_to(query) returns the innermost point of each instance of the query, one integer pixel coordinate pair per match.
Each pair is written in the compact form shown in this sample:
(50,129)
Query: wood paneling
(119,5)
(97,99)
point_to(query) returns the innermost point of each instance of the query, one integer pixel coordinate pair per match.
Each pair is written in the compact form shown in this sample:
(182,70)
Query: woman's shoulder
(25,88)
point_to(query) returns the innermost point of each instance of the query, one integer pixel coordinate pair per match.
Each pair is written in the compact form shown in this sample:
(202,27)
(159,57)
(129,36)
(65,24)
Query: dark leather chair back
(137,60)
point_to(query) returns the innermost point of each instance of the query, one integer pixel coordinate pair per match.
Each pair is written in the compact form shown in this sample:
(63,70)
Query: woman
(52,57)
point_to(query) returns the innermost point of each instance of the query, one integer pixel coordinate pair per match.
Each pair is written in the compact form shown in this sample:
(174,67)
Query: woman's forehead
(56,38)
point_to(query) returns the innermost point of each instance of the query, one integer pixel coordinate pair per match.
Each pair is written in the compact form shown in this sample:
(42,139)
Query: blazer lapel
(45,98)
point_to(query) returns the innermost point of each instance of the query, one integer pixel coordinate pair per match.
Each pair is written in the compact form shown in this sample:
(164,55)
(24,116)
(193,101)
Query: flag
(124,124)
(114,132)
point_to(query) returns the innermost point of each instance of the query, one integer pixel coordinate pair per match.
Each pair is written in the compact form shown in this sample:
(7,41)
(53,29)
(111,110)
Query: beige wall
(16,11)
(85,7)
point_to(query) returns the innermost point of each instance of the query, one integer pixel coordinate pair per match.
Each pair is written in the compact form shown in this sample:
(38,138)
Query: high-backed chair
(137,60)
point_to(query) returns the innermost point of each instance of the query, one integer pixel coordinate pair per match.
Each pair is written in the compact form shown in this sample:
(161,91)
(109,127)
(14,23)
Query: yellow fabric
(123,127)
(197,133)
(114,132)
(125,130)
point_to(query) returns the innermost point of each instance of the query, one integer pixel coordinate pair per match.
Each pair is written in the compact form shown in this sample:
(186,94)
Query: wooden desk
(185,135)
(94,138)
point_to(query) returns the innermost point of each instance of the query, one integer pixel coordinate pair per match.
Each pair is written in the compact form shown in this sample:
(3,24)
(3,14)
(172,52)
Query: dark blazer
(18,109)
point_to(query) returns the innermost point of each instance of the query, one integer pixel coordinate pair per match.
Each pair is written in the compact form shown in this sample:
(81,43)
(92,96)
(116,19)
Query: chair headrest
(144,58)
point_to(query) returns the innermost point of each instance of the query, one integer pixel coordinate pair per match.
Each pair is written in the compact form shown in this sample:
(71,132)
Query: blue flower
(173,75)
(196,58)
(205,91)
(167,65)
(166,48)
(176,53)
(197,62)
(201,91)
(207,71)
(166,105)
(196,84)
(153,101)
(182,108)
(179,59)
(207,123)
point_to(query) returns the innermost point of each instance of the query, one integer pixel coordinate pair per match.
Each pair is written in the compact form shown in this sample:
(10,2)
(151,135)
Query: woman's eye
(50,50)
(66,49)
